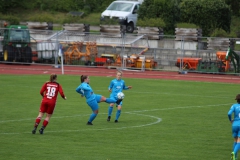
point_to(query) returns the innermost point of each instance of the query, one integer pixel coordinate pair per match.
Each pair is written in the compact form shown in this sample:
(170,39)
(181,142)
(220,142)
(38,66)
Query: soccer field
(160,120)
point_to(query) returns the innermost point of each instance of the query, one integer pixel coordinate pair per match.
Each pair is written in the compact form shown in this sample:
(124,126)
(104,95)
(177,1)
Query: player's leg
(236,135)
(234,144)
(110,109)
(118,113)
(94,106)
(37,121)
(237,148)
(49,112)
(42,110)
(110,100)
(45,123)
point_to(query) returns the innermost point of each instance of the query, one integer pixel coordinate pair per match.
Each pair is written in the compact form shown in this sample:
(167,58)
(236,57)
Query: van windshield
(120,6)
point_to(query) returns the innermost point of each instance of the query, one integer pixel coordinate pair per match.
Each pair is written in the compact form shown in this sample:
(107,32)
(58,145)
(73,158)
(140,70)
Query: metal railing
(128,51)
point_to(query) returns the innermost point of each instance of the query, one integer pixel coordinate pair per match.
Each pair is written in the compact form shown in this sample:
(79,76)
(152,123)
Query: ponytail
(83,77)
(53,77)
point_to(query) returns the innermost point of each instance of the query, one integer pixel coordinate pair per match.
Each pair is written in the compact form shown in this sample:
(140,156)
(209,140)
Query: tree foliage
(167,10)
(55,5)
(235,6)
(8,4)
(209,15)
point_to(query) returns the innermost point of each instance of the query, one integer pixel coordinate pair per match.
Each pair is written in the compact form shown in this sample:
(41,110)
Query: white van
(125,12)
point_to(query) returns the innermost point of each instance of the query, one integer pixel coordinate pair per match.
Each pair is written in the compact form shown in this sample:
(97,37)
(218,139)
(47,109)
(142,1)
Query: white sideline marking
(123,112)
(143,125)
(158,119)
(34,118)
(103,129)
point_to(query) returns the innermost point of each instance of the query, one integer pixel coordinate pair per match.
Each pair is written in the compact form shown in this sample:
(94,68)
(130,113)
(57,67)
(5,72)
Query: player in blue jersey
(92,99)
(116,86)
(235,108)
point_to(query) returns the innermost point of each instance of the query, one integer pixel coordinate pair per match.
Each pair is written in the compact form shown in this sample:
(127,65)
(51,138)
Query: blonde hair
(118,71)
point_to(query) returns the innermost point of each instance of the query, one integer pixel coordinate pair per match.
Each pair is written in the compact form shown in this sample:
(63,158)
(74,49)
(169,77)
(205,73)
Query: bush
(219,33)
(42,18)
(167,10)
(207,14)
(12,20)
(151,22)
(71,19)
(186,25)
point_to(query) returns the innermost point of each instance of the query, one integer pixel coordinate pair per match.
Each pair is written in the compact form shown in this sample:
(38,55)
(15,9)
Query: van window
(136,8)
(125,7)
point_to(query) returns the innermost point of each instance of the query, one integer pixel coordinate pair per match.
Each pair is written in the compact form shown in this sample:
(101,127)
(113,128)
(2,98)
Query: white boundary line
(158,119)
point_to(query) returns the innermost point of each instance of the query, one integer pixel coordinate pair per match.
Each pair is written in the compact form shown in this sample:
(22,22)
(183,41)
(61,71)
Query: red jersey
(50,91)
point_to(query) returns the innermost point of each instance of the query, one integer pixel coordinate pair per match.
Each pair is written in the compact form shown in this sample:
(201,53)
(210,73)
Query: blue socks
(92,117)
(236,149)
(118,114)
(234,144)
(110,109)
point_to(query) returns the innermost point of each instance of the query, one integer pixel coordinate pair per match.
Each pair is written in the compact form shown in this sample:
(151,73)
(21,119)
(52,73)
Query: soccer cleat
(89,123)
(118,101)
(116,121)
(109,117)
(34,130)
(233,156)
(41,131)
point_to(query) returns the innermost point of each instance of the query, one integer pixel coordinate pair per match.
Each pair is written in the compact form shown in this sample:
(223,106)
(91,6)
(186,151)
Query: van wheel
(130,27)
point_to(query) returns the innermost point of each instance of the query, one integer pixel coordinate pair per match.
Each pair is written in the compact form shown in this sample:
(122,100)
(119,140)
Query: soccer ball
(120,95)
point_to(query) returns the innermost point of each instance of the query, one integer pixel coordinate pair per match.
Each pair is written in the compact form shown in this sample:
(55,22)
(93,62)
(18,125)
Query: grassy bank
(94,20)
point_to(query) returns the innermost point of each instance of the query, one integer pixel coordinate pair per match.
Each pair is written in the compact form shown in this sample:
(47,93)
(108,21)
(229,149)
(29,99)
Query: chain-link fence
(127,51)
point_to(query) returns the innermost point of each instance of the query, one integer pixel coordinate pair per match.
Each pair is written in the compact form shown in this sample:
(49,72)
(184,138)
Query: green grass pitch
(160,120)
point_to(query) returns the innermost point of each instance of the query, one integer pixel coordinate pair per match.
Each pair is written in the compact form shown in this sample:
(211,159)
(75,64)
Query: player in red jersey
(49,92)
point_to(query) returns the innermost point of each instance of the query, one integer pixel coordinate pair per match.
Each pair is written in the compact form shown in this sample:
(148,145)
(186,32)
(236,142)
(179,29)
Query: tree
(207,14)
(8,4)
(167,10)
(235,6)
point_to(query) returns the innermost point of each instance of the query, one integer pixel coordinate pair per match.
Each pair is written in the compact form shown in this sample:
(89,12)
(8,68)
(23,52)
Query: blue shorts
(98,98)
(235,131)
(93,105)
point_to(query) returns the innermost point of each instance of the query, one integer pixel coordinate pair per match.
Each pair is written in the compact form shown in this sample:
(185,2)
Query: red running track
(104,71)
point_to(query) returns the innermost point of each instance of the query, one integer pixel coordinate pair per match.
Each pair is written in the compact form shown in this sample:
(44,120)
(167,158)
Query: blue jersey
(235,108)
(85,90)
(117,86)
